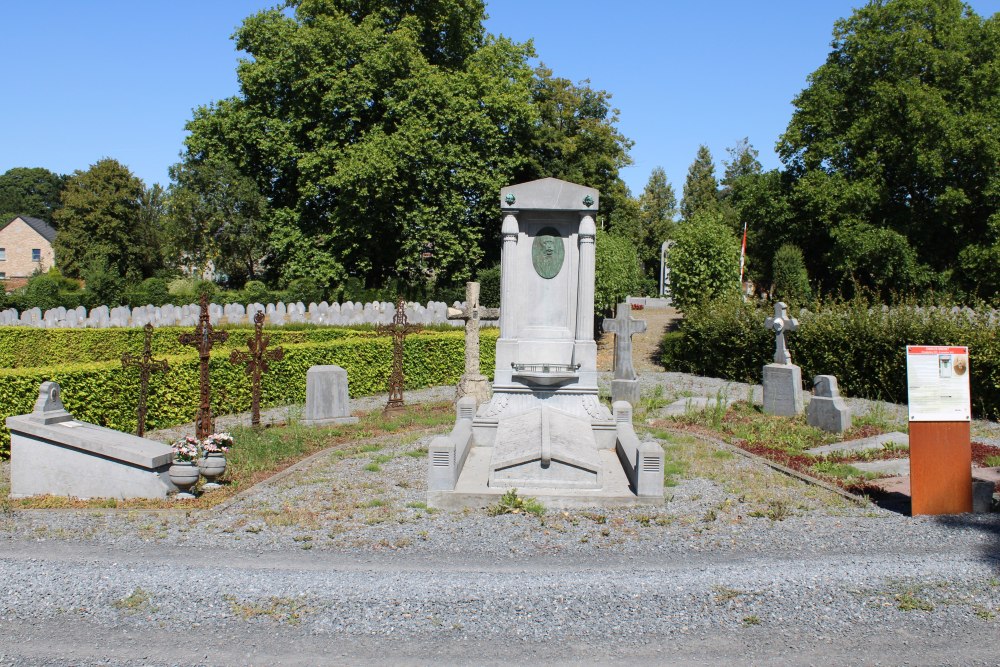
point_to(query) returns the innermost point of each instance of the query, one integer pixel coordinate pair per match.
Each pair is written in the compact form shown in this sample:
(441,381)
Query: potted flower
(184,473)
(213,461)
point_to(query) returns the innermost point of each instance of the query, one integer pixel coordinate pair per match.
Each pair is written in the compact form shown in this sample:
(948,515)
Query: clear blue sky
(117,78)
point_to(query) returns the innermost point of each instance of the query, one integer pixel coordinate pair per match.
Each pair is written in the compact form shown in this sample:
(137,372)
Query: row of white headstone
(335,314)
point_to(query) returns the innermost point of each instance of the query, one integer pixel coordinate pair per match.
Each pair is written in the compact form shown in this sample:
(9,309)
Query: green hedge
(30,347)
(102,393)
(865,347)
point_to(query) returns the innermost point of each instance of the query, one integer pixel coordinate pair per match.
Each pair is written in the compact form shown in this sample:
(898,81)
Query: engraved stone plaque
(547,253)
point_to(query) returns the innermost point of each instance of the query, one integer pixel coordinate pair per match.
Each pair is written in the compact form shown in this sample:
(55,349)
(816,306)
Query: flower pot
(212,466)
(183,475)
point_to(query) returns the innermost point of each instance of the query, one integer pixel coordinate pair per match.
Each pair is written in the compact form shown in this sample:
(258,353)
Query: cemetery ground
(338,559)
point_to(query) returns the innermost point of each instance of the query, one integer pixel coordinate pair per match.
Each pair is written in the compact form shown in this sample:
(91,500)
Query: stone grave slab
(894,467)
(863,444)
(54,454)
(682,406)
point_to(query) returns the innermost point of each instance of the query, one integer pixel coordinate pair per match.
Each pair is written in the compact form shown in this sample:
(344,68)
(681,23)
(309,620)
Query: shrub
(618,272)
(103,286)
(791,280)
(255,292)
(305,290)
(704,263)
(151,291)
(42,291)
(489,287)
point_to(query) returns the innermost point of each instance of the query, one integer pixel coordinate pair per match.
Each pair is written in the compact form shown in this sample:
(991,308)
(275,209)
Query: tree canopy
(701,189)
(381,132)
(892,149)
(108,221)
(30,191)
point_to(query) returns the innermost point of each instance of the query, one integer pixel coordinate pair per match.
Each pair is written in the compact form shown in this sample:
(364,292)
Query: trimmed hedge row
(864,347)
(30,347)
(102,393)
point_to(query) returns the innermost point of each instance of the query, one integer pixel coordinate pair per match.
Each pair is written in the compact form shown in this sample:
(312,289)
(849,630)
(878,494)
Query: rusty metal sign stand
(203,338)
(256,362)
(146,365)
(398,330)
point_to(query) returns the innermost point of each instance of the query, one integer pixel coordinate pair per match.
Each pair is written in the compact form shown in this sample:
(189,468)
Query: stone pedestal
(827,410)
(625,390)
(783,390)
(326,397)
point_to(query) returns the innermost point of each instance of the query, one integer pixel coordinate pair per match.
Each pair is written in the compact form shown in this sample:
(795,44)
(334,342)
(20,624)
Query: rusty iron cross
(256,362)
(146,365)
(203,338)
(398,330)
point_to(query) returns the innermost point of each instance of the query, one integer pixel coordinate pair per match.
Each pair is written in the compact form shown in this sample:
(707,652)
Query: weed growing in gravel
(511,503)
(138,601)
(725,594)
(284,609)
(373,467)
(417,453)
(752,619)
(908,601)
(651,401)
(984,613)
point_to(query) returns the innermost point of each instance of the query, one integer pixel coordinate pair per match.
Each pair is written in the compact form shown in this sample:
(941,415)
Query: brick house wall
(18,240)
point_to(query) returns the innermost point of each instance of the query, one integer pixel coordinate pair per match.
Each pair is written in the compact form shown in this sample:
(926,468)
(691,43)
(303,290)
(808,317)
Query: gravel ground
(336,563)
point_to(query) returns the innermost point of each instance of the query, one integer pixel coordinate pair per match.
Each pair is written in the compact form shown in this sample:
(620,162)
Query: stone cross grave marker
(146,365)
(256,363)
(624,326)
(779,324)
(625,385)
(473,382)
(203,338)
(398,330)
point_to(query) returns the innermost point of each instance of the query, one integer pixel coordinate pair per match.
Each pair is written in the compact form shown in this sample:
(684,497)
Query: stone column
(509,233)
(585,286)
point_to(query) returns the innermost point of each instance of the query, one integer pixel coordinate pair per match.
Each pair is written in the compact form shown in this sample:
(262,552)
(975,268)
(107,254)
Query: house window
(3,276)
(36,254)
(3,254)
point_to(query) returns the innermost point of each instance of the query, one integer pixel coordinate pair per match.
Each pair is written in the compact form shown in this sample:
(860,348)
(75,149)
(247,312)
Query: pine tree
(701,190)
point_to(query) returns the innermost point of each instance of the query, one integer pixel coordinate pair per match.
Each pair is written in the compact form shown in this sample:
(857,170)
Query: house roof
(43,228)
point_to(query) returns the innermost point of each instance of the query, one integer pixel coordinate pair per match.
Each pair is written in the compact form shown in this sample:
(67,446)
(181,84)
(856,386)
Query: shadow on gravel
(889,500)
(988,524)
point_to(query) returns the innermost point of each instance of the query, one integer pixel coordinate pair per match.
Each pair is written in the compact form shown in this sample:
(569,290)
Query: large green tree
(575,138)
(377,130)
(894,150)
(108,220)
(216,215)
(30,191)
(381,132)
(701,189)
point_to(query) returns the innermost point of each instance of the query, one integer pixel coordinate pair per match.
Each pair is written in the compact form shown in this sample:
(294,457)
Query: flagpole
(743,252)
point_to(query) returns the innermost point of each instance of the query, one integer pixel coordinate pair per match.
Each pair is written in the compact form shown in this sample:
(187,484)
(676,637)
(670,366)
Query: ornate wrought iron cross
(146,365)
(256,362)
(398,330)
(203,338)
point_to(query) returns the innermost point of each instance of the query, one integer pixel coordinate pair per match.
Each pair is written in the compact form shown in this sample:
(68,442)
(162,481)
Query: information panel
(937,378)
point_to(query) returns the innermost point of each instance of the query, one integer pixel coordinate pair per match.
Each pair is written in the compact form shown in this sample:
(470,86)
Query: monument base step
(472,490)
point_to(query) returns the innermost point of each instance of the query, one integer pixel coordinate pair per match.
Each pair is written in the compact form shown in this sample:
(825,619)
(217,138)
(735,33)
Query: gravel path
(336,563)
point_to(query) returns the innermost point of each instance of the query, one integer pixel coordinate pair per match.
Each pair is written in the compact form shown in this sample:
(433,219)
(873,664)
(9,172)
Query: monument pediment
(549,194)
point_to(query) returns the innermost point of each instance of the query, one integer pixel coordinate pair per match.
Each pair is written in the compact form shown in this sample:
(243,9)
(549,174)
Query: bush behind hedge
(102,393)
(864,346)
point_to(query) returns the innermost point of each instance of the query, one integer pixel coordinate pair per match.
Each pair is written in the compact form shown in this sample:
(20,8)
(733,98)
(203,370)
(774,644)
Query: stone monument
(782,379)
(51,453)
(544,429)
(625,385)
(473,383)
(326,397)
(827,410)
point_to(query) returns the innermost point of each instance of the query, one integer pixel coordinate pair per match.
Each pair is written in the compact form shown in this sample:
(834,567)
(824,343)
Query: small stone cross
(779,324)
(624,326)
(256,362)
(473,382)
(398,330)
(146,365)
(203,338)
